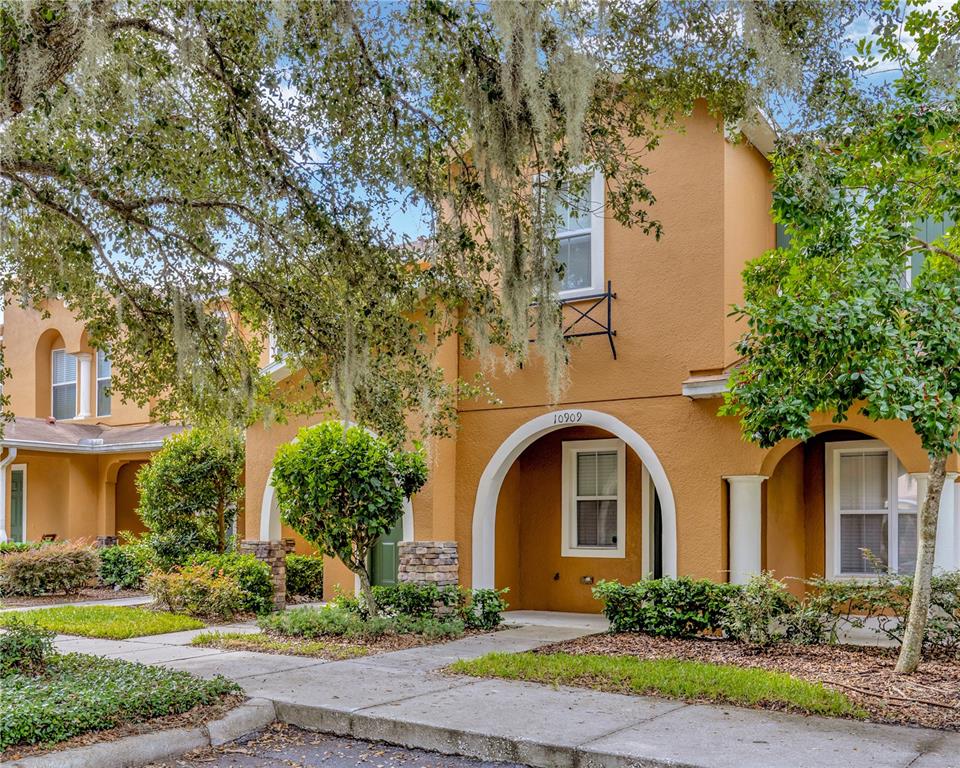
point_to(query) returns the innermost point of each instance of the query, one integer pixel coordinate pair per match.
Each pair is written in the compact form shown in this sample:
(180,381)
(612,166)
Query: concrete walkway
(403,698)
(139,600)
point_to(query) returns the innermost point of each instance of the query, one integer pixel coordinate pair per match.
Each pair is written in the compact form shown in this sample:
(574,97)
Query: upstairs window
(103,383)
(929,230)
(580,239)
(594,512)
(63,384)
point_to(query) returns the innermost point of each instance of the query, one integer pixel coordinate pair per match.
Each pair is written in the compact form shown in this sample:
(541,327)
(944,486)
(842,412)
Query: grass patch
(78,693)
(264,643)
(115,622)
(673,678)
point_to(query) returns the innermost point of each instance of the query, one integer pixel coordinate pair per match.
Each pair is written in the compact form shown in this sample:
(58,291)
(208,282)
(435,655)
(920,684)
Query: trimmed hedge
(54,569)
(305,575)
(665,607)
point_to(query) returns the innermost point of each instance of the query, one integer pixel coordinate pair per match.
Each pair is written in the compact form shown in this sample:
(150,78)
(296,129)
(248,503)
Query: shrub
(6,547)
(24,648)
(305,575)
(197,590)
(415,600)
(251,575)
(189,492)
(336,621)
(55,569)
(485,609)
(664,607)
(753,614)
(125,565)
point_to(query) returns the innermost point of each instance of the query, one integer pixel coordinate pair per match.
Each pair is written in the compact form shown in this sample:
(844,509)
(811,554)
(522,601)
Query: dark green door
(17,533)
(384,559)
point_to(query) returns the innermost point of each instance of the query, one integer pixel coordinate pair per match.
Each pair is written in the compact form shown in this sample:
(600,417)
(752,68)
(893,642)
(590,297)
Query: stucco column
(84,359)
(746,503)
(945,557)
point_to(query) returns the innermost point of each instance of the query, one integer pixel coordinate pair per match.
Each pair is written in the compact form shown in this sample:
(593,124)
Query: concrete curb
(130,751)
(458,741)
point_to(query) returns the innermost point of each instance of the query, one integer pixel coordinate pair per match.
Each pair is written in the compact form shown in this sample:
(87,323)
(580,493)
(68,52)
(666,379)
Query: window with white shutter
(594,514)
(104,375)
(872,508)
(63,384)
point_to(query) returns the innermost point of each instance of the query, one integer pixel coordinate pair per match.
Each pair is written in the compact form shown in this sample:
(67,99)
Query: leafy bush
(485,609)
(189,492)
(197,590)
(753,614)
(664,607)
(54,569)
(125,565)
(336,621)
(882,605)
(251,575)
(6,547)
(24,648)
(79,693)
(305,575)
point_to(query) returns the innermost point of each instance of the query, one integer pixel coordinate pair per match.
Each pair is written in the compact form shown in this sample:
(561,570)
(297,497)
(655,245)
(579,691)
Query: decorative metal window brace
(585,323)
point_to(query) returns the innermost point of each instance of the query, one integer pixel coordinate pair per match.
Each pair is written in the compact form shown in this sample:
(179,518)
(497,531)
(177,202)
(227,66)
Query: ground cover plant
(24,648)
(333,649)
(78,693)
(673,678)
(115,622)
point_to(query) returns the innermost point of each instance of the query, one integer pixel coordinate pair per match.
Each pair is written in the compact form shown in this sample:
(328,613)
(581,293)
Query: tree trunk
(367,591)
(926,547)
(221,528)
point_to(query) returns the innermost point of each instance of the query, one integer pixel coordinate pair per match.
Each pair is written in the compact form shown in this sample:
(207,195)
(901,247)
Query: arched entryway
(484,573)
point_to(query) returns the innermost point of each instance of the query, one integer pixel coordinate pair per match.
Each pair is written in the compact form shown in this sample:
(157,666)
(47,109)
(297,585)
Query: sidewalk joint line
(642,721)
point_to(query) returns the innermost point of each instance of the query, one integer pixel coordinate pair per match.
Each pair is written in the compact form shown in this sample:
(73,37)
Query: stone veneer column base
(429,562)
(274,554)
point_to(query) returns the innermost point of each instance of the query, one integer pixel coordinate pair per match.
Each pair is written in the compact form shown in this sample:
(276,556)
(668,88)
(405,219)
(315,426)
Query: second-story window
(103,383)
(580,239)
(63,378)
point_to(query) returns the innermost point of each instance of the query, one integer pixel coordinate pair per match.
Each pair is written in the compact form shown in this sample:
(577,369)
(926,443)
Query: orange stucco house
(634,473)
(70,457)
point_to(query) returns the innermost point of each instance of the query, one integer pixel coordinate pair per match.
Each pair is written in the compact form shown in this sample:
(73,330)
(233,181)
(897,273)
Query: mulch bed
(84,595)
(930,697)
(189,719)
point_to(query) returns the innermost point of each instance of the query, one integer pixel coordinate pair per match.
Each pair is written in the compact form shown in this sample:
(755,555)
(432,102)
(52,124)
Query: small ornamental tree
(342,488)
(190,491)
(862,310)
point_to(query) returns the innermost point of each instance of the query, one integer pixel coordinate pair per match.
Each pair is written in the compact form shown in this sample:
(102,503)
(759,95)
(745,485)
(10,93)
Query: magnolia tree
(164,160)
(342,488)
(862,310)
(190,491)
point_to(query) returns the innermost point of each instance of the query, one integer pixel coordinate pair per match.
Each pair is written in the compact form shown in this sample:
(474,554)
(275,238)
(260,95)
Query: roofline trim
(40,445)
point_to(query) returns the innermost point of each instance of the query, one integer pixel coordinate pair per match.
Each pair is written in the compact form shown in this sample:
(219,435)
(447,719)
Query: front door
(384,558)
(17,532)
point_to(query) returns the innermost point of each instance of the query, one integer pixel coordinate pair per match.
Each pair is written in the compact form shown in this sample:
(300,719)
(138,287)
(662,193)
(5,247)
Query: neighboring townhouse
(70,457)
(634,474)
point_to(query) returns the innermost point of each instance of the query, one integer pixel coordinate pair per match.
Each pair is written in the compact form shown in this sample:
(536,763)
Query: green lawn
(259,641)
(79,693)
(688,680)
(116,622)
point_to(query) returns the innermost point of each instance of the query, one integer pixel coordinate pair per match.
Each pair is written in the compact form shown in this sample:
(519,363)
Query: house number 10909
(567,417)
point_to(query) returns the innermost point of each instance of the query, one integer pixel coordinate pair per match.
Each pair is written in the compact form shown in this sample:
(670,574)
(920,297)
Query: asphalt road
(287,747)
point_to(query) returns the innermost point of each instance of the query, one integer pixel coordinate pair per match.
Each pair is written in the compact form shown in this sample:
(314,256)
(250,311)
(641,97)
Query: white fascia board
(277,370)
(40,445)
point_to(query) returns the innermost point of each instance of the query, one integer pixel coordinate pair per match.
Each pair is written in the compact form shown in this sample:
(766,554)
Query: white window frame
(597,209)
(75,382)
(832,502)
(23,468)
(99,378)
(569,508)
